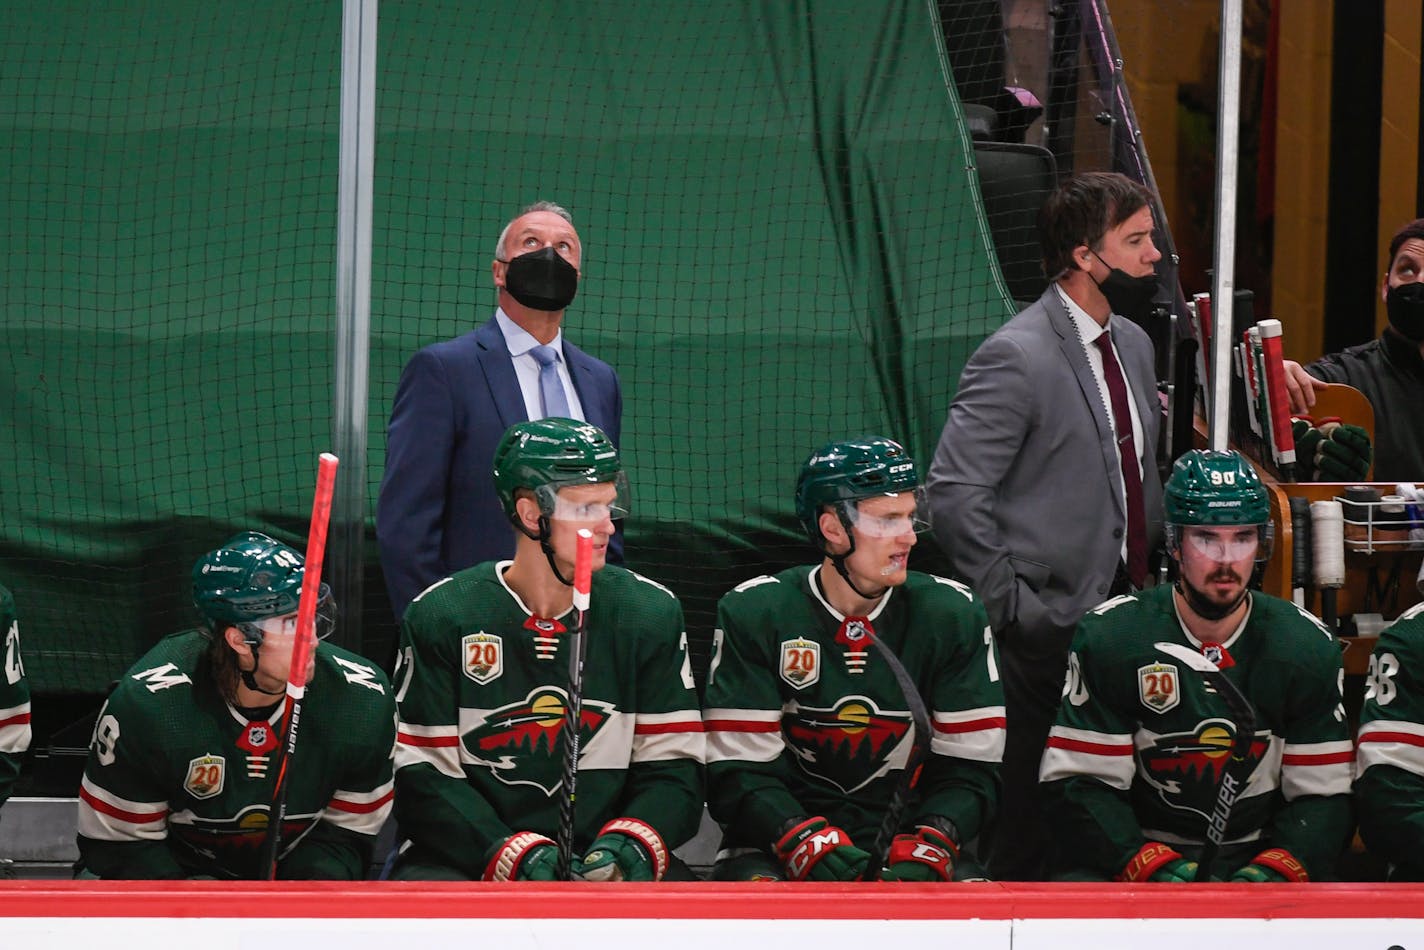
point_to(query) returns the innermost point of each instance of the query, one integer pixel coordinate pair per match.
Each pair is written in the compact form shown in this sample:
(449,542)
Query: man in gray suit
(1034,503)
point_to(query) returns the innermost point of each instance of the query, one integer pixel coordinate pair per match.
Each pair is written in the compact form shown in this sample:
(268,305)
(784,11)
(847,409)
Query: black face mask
(541,280)
(1405,305)
(1129,297)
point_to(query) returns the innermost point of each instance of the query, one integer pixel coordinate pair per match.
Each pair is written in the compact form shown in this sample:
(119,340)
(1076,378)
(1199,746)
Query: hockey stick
(919,746)
(302,651)
(1243,722)
(573,706)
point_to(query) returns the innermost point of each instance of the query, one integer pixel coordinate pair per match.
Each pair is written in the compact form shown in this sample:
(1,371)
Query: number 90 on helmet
(1216,489)
(249,579)
(545,455)
(841,473)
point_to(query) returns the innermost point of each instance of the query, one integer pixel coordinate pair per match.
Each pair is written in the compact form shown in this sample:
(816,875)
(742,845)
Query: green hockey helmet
(1216,489)
(841,473)
(545,455)
(251,579)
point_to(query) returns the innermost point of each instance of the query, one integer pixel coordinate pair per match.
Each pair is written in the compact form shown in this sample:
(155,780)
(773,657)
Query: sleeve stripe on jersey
(1073,753)
(990,721)
(15,715)
(1317,768)
(360,803)
(1383,730)
(436,746)
(1391,746)
(668,746)
(1089,748)
(15,731)
(1332,758)
(106,817)
(744,746)
(663,728)
(408,736)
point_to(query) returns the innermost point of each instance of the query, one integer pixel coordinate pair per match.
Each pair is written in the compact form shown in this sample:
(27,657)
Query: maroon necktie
(1127,455)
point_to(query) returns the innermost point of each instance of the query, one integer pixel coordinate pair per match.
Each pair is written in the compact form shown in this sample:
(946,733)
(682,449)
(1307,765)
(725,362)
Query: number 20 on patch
(800,662)
(1157,686)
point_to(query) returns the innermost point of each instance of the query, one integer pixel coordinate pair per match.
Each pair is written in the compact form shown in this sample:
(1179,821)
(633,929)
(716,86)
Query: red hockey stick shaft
(302,651)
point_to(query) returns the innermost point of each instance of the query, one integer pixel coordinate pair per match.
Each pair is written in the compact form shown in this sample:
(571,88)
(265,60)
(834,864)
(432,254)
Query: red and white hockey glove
(524,856)
(1273,866)
(1155,861)
(815,849)
(626,849)
(927,855)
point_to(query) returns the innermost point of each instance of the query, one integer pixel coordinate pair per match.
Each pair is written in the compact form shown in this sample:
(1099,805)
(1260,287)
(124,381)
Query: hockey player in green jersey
(808,730)
(1133,763)
(1389,788)
(482,677)
(182,767)
(14,698)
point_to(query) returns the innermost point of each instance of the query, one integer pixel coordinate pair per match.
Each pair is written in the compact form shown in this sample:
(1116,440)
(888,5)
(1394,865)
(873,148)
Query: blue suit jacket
(438,512)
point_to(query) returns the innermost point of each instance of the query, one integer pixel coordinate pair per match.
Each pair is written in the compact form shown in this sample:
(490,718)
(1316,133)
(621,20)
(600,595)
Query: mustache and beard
(1211,607)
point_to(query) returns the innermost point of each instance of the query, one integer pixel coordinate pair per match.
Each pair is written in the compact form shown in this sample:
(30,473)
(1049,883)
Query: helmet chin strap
(838,560)
(250,681)
(548,549)
(1203,607)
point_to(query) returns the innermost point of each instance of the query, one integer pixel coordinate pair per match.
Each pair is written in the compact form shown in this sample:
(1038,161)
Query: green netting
(782,238)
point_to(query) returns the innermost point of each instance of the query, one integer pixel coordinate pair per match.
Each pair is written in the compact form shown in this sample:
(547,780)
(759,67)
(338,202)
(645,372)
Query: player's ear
(527,507)
(831,528)
(233,638)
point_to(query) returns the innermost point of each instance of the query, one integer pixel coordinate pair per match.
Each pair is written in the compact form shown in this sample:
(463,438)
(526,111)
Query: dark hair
(1414,229)
(1082,210)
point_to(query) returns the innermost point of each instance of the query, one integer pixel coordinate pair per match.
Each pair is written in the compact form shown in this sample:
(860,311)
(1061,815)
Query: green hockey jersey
(14,698)
(804,719)
(1389,788)
(482,689)
(1140,742)
(179,783)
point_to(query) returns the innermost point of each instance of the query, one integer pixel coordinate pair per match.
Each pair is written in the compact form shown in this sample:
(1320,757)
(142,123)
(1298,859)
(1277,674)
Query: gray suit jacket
(1026,484)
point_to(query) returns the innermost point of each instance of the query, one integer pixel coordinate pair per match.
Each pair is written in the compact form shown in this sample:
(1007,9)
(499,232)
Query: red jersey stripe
(405,738)
(132,817)
(360,808)
(1093,748)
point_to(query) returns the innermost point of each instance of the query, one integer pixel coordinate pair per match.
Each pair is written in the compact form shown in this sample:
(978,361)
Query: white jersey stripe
(1383,742)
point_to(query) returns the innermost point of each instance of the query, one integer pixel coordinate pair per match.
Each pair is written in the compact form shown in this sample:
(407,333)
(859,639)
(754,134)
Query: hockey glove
(1344,454)
(1331,451)
(815,849)
(926,855)
(1159,863)
(625,850)
(1272,866)
(524,856)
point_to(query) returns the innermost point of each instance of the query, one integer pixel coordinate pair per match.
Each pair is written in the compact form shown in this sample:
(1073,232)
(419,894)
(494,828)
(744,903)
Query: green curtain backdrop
(783,245)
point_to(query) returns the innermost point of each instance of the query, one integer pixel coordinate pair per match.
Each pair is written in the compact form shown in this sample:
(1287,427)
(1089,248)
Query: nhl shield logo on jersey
(205,776)
(484,657)
(800,662)
(1157,686)
(848,746)
(520,744)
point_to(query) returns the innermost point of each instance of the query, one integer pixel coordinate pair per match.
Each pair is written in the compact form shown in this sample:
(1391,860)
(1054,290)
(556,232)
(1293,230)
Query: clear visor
(586,504)
(889,516)
(285,626)
(1224,544)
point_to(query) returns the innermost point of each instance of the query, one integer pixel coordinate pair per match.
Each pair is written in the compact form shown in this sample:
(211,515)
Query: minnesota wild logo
(1185,768)
(849,745)
(519,743)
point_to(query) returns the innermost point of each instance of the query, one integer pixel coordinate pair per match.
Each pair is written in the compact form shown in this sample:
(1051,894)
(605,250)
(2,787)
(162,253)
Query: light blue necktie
(551,390)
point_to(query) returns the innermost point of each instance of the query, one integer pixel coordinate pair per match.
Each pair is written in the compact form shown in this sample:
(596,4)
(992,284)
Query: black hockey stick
(919,747)
(573,705)
(1243,722)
